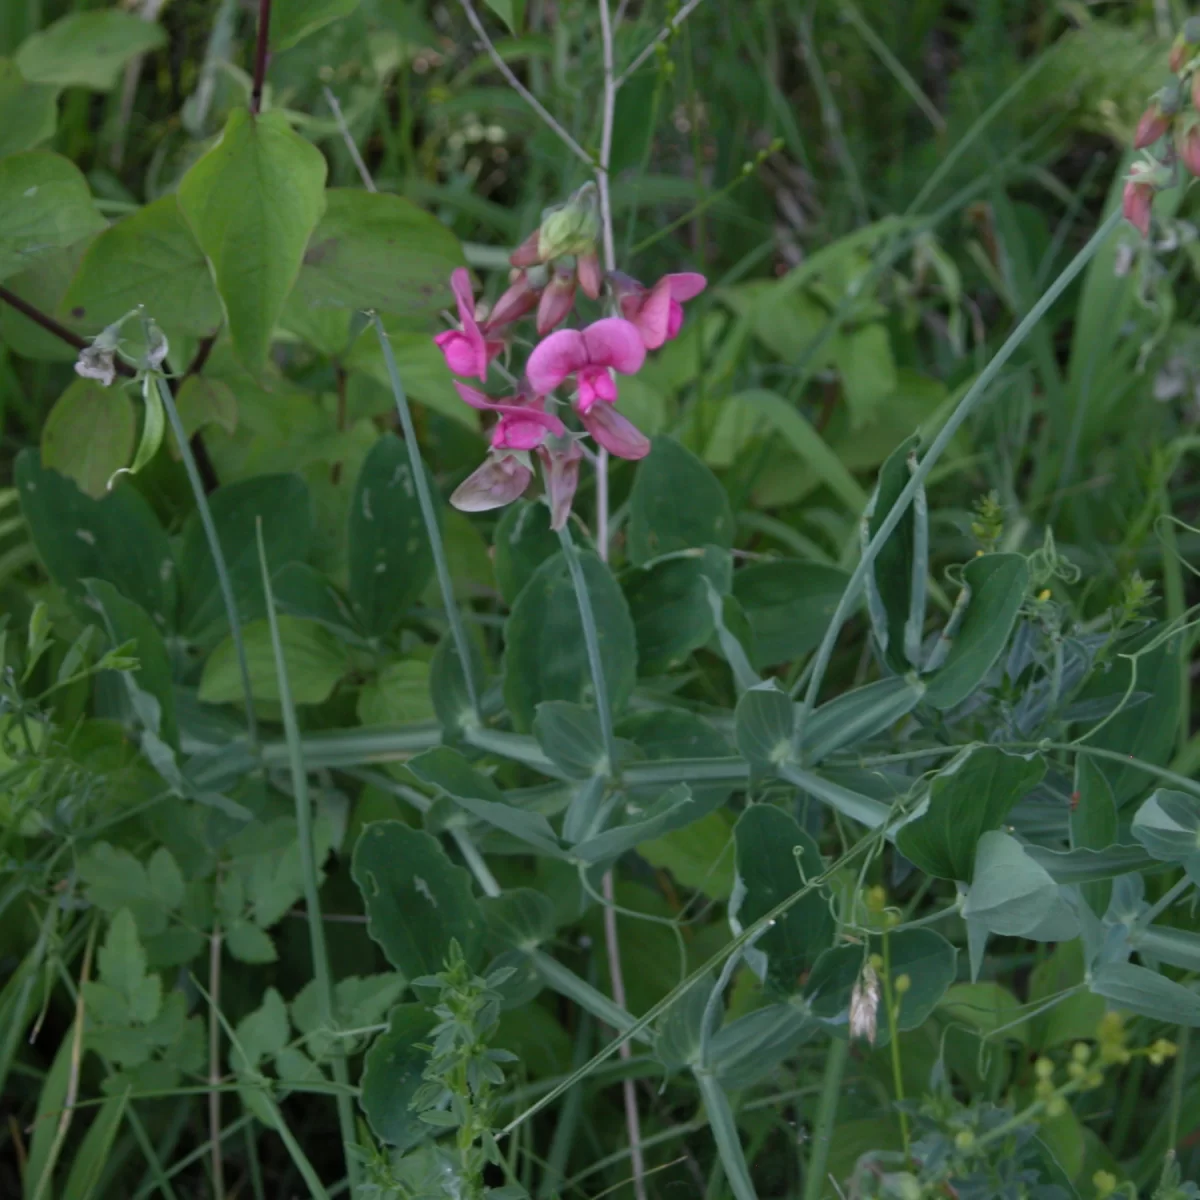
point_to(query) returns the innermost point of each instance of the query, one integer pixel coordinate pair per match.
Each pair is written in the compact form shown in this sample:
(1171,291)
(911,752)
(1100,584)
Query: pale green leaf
(87,49)
(88,435)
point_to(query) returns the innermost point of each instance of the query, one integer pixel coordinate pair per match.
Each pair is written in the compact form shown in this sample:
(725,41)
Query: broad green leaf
(755,1045)
(88,435)
(448,771)
(929,961)
(669,603)
(392,1072)
(45,205)
(150,258)
(970,797)
(116,538)
(253,201)
(857,715)
(90,1159)
(127,622)
(1168,825)
(416,899)
(522,542)
(28,111)
(699,856)
(511,12)
(302,591)
(1179,947)
(296,19)
(987,1007)
(315,664)
(1147,993)
(398,696)
(1093,823)
(674,809)
(389,554)
(659,523)
(202,402)
(774,858)
(1012,895)
(864,360)
(374,250)
(570,736)
(788,604)
(545,657)
(282,502)
(765,727)
(890,581)
(998,584)
(261,1034)
(448,691)
(520,918)
(87,49)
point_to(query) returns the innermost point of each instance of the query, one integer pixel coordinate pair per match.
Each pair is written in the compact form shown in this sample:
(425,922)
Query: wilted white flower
(97,362)
(864,1005)
(156,346)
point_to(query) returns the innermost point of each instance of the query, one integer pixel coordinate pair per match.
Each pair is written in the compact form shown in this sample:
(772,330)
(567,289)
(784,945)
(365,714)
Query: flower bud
(590,277)
(560,470)
(1179,54)
(1135,204)
(157,347)
(571,228)
(556,301)
(1151,126)
(519,299)
(526,254)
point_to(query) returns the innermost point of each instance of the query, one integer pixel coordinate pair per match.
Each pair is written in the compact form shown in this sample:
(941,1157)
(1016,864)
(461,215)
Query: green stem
(308,858)
(974,398)
(1177,1080)
(724,1130)
(889,998)
(827,1105)
(214,547)
(429,515)
(592,642)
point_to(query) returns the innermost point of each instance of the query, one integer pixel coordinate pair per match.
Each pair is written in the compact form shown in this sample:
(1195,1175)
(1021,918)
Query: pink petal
(654,315)
(674,320)
(614,343)
(497,482)
(686,285)
(472,396)
(460,285)
(556,357)
(518,431)
(516,411)
(615,433)
(561,472)
(465,355)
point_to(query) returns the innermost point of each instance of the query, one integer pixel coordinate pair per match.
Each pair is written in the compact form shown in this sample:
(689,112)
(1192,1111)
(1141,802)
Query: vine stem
(429,515)
(974,398)
(214,1063)
(827,1106)
(260,56)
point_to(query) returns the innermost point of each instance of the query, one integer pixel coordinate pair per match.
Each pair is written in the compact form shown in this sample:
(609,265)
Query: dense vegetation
(476,724)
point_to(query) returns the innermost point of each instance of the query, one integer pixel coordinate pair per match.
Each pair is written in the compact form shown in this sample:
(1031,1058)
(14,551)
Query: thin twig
(50,325)
(260,56)
(521,90)
(200,358)
(214,1062)
(351,144)
(662,35)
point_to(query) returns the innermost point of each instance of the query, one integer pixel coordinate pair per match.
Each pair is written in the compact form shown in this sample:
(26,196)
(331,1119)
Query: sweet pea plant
(794,798)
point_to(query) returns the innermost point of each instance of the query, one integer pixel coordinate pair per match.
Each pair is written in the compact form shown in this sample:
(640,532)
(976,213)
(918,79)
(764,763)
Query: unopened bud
(157,347)
(591,279)
(572,228)
(519,299)
(556,301)
(1150,127)
(526,254)
(1136,201)
(1196,91)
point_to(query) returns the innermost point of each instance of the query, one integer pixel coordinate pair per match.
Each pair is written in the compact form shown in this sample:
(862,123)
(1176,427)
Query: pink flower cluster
(585,361)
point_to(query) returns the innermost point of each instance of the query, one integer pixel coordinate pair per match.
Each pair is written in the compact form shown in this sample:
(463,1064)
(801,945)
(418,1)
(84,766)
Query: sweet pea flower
(467,350)
(658,311)
(588,354)
(499,481)
(617,434)
(523,424)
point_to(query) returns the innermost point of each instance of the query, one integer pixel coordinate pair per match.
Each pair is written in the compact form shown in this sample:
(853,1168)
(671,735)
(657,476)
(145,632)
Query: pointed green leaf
(260,1035)
(674,809)
(315,664)
(857,715)
(392,1073)
(1012,895)
(416,899)
(1093,823)
(87,49)
(1147,993)
(753,1046)
(788,604)
(88,435)
(253,201)
(891,572)
(296,19)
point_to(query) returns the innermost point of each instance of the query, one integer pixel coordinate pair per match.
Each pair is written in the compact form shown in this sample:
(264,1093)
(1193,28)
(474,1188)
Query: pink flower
(467,351)
(1135,202)
(519,299)
(499,481)
(588,354)
(658,311)
(556,301)
(523,425)
(560,470)
(617,434)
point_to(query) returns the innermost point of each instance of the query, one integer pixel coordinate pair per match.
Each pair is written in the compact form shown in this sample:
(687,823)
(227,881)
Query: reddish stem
(260,55)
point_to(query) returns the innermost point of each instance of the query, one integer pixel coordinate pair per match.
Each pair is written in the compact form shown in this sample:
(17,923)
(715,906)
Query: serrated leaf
(545,656)
(416,899)
(774,858)
(391,1076)
(788,604)
(966,800)
(151,258)
(116,881)
(88,435)
(390,557)
(87,49)
(261,1034)
(253,201)
(658,523)
(250,944)
(122,964)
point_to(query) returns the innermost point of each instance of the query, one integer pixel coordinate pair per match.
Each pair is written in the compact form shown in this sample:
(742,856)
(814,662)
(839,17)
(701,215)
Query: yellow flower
(1044,1067)
(1105,1183)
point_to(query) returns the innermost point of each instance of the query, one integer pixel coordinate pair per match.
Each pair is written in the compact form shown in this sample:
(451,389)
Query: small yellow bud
(1095,1077)
(1111,1026)
(876,960)
(1044,595)
(964,1139)
(1044,1067)
(1105,1183)
(1056,1107)
(1081,1052)
(1165,1048)
(902,984)
(891,919)
(978,553)
(1044,1089)
(876,899)
(1076,1070)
